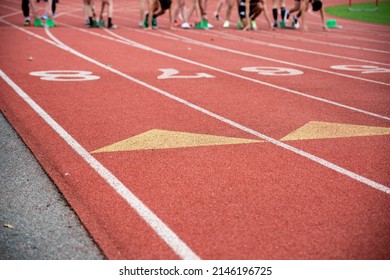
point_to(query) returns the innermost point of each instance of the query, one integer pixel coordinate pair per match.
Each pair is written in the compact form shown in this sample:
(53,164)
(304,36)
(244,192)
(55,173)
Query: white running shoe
(185,25)
(286,16)
(226,24)
(295,22)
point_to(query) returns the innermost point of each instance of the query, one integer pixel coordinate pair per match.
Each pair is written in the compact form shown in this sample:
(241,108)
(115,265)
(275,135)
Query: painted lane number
(272,71)
(365,69)
(170,73)
(65,75)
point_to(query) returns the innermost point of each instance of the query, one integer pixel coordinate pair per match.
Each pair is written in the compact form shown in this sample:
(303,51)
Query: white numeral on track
(169,73)
(65,75)
(272,71)
(365,69)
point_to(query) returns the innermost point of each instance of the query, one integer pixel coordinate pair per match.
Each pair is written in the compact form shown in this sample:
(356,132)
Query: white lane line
(360,39)
(284,47)
(162,230)
(339,45)
(291,37)
(309,156)
(17,12)
(236,37)
(298,49)
(326,43)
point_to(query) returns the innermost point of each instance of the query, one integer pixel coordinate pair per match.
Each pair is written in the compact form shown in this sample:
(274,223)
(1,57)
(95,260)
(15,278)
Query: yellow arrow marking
(164,139)
(321,130)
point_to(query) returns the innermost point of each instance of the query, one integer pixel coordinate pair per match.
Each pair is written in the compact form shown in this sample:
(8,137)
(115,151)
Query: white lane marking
(299,50)
(162,230)
(307,155)
(170,73)
(319,42)
(344,46)
(272,71)
(364,69)
(8,15)
(65,75)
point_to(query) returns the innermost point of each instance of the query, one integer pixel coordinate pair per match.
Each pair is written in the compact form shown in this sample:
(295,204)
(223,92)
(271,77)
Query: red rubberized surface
(238,201)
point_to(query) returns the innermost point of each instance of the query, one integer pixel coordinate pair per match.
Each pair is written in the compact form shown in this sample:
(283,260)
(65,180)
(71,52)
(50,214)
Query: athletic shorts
(165,4)
(241,8)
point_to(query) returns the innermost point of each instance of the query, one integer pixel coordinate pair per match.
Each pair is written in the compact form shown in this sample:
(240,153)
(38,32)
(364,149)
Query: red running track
(208,144)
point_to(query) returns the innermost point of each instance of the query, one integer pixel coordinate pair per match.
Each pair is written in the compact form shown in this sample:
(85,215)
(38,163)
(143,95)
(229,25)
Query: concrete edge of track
(54,231)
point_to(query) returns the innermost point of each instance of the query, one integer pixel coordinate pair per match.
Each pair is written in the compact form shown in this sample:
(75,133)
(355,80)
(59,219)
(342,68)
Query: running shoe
(95,23)
(146,21)
(204,24)
(50,23)
(240,25)
(176,23)
(253,25)
(154,23)
(185,25)
(286,16)
(38,22)
(101,23)
(295,23)
(226,24)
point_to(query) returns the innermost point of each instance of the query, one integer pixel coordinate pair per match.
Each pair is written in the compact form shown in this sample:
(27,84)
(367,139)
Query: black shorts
(241,8)
(165,4)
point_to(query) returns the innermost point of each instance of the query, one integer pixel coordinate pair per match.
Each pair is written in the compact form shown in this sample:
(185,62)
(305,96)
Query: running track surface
(208,144)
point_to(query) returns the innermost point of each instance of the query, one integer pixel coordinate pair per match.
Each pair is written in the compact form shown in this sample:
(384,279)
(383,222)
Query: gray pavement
(36,223)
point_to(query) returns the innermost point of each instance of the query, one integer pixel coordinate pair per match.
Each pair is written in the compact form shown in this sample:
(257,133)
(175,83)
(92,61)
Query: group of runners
(248,11)
(181,14)
(29,7)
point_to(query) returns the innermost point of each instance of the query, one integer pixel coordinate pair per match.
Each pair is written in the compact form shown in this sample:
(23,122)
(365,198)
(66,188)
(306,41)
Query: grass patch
(363,12)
